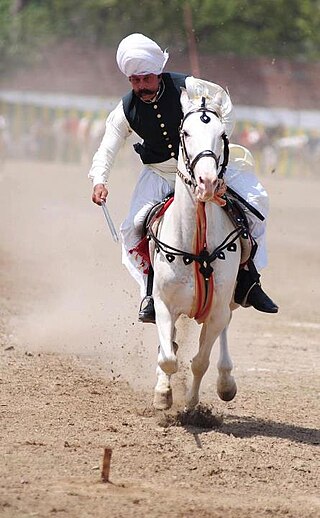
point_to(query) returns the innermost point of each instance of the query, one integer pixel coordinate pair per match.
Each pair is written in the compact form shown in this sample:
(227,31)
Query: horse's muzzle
(211,191)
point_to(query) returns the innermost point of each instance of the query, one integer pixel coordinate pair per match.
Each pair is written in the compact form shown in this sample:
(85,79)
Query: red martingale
(204,289)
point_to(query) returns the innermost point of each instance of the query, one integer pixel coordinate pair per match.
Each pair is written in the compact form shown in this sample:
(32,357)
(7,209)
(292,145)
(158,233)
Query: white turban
(139,55)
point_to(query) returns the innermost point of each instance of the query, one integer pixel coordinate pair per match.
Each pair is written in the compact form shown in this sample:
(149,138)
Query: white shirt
(118,130)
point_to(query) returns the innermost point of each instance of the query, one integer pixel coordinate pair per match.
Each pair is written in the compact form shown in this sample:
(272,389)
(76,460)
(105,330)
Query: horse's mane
(211,103)
(195,101)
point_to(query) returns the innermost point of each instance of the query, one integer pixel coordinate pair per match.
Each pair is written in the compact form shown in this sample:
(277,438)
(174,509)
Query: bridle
(204,258)
(229,244)
(190,165)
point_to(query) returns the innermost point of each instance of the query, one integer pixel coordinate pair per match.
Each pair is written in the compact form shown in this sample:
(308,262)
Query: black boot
(147,313)
(249,292)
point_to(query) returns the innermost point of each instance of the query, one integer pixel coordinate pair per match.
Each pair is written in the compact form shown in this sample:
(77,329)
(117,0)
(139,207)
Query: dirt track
(77,371)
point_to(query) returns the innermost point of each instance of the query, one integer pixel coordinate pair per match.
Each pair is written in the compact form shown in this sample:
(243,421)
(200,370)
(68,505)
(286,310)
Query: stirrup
(147,314)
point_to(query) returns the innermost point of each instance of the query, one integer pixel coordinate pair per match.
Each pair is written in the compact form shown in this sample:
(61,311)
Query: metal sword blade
(110,222)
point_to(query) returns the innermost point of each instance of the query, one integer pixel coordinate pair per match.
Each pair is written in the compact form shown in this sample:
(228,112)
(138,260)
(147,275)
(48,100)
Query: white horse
(194,237)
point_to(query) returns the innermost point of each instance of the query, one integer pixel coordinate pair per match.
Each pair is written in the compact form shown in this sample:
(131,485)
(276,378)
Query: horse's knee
(168,365)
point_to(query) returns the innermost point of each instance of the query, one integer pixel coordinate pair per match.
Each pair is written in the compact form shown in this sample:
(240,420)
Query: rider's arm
(116,132)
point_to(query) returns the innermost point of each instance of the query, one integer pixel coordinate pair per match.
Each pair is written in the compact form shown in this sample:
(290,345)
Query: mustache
(145,91)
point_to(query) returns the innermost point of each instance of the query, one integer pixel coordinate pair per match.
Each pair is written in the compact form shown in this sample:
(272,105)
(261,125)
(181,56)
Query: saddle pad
(141,251)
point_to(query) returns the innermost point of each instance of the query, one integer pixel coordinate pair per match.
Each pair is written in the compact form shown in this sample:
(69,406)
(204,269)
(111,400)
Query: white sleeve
(116,132)
(196,87)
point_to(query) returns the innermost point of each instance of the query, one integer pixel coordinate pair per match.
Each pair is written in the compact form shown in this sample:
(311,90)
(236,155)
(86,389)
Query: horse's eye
(186,134)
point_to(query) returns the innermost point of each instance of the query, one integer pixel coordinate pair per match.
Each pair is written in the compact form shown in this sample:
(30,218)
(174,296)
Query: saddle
(233,210)
(154,214)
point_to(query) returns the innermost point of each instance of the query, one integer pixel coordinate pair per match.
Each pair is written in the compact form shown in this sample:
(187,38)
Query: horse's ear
(184,99)
(218,99)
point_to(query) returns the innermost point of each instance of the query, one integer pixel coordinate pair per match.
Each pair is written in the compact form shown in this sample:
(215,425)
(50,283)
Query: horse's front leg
(162,398)
(226,385)
(210,331)
(166,320)
(167,359)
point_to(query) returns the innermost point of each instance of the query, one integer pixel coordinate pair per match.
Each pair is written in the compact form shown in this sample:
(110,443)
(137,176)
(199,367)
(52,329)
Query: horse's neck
(185,203)
(184,199)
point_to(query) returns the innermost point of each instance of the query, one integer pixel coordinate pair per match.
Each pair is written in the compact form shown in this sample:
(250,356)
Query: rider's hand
(100,193)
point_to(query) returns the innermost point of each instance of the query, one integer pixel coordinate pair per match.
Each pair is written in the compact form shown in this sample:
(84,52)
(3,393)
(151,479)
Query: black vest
(157,123)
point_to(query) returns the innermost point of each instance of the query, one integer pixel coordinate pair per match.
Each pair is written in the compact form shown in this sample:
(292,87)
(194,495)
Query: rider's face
(146,86)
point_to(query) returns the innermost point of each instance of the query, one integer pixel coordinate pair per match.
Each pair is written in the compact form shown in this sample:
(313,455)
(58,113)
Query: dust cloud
(62,271)
(62,276)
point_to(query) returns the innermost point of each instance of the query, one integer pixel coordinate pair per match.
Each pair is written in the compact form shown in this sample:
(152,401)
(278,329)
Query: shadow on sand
(245,427)
(203,420)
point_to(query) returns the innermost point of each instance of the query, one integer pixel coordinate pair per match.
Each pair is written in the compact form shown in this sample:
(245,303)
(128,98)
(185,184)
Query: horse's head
(204,146)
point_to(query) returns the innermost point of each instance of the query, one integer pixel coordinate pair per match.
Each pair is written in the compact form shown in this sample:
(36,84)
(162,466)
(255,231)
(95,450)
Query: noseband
(207,153)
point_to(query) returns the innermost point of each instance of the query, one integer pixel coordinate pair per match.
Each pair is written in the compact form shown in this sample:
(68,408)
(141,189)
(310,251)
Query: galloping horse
(196,253)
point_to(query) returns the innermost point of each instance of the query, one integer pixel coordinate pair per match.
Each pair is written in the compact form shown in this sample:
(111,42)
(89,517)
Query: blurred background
(61,277)
(59,80)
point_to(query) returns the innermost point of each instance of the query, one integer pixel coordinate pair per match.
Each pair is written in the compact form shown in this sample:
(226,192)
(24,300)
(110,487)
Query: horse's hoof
(162,400)
(227,395)
(190,405)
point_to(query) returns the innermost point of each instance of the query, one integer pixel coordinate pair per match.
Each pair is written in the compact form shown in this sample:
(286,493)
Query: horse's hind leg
(226,385)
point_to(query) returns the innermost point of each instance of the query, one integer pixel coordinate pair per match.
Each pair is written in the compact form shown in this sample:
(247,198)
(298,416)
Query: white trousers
(151,188)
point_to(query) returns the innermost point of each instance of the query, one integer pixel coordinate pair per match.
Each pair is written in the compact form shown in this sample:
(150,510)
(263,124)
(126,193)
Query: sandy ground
(77,370)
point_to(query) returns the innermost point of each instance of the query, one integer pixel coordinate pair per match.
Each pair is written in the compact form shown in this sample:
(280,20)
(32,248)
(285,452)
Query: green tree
(288,28)
(278,28)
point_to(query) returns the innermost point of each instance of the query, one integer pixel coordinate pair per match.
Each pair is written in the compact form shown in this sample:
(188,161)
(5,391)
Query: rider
(153,111)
